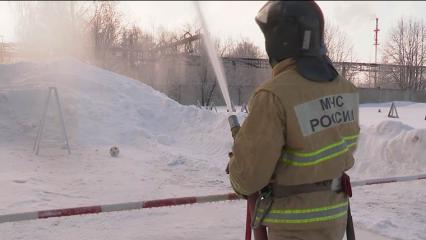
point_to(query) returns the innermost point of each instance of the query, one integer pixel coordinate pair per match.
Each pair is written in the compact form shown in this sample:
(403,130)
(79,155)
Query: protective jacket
(297,132)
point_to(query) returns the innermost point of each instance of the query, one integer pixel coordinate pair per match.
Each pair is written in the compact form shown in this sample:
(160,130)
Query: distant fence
(180,78)
(374,95)
(189,95)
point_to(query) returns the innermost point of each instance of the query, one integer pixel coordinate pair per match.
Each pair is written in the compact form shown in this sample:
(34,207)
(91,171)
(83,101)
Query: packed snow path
(167,150)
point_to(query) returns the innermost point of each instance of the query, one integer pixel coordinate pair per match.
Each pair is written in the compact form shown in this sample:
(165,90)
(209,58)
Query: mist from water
(52,29)
(214,59)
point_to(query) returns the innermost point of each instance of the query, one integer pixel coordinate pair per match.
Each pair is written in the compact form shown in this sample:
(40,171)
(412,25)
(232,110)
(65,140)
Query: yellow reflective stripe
(316,152)
(309,220)
(309,210)
(351,145)
(317,161)
(310,154)
(351,137)
(304,215)
(292,157)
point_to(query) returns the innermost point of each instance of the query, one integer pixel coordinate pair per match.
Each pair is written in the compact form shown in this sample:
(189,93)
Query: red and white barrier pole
(115,207)
(388,180)
(167,202)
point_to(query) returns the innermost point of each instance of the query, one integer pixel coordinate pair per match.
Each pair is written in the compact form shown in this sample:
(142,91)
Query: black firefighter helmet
(295,29)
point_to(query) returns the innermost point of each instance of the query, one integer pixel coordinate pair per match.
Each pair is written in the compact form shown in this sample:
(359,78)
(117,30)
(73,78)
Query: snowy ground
(168,150)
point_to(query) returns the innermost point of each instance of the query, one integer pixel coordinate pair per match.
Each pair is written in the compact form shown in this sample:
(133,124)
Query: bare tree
(207,76)
(105,28)
(134,43)
(244,49)
(339,49)
(225,48)
(406,48)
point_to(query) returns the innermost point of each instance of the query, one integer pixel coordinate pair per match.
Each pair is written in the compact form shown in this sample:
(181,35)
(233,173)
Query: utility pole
(376,43)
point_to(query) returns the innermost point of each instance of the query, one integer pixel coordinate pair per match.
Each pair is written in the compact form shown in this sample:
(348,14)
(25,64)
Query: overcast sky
(228,19)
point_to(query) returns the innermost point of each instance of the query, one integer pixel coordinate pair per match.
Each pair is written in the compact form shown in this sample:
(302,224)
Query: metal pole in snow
(61,115)
(36,147)
(167,202)
(54,92)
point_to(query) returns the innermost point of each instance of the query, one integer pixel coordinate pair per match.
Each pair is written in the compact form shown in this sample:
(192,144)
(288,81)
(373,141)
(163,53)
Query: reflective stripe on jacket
(296,158)
(308,215)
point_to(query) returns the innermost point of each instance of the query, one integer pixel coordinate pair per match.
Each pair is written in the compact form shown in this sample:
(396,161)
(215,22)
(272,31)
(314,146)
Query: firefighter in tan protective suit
(301,131)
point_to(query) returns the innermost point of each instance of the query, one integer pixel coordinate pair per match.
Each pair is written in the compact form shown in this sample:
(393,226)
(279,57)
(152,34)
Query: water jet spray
(218,70)
(260,232)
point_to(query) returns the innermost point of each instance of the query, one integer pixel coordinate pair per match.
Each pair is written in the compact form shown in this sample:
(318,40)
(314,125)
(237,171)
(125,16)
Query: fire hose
(259,232)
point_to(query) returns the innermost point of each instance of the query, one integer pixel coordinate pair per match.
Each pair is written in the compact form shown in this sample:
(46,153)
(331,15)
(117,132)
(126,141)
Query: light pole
(376,43)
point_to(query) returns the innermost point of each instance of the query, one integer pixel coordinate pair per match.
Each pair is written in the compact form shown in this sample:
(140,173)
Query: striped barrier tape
(166,202)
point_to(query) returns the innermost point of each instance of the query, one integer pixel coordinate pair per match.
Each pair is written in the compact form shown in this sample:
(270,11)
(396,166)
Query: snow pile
(390,148)
(100,108)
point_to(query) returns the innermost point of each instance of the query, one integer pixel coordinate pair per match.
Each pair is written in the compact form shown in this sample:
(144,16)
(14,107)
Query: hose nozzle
(234,125)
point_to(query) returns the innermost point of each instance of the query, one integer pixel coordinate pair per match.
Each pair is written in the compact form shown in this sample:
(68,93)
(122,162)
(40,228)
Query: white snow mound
(100,107)
(390,148)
